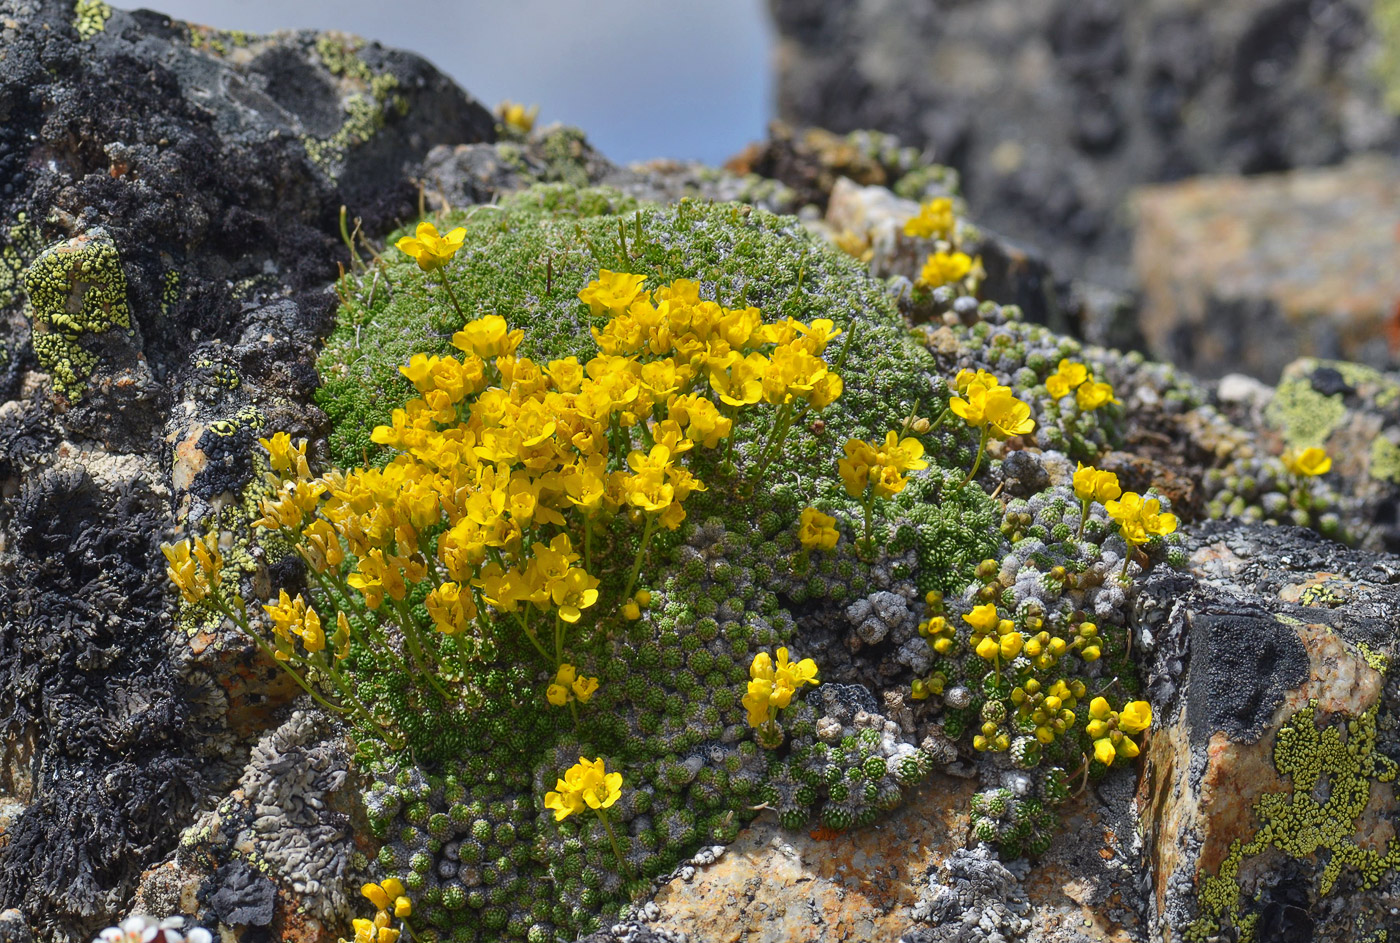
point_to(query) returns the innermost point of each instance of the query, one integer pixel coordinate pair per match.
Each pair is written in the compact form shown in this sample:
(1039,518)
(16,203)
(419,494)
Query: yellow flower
(945,268)
(983,618)
(611,293)
(934,220)
(901,454)
(575,592)
(1309,462)
(1092,395)
(517,117)
(1135,717)
(488,337)
(586,783)
(196,566)
(1092,484)
(430,250)
(1140,519)
(1068,376)
(817,531)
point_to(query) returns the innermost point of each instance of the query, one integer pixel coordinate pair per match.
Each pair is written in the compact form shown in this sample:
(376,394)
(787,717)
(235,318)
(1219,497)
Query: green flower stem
(612,837)
(415,648)
(267,649)
(846,348)
(452,296)
(1083,517)
(588,543)
(347,691)
(641,552)
(782,422)
(868,542)
(909,420)
(534,639)
(558,640)
(977,462)
(733,413)
(939,421)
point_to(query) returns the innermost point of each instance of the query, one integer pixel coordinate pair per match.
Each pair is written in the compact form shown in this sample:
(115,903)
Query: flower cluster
(935,220)
(873,470)
(947,266)
(517,118)
(390,901)
(1072,377)
(771,687)
(1112,731)
(990,407)
(585,784)
(195,567)
(1092,484)
(1047,710)
(993,638)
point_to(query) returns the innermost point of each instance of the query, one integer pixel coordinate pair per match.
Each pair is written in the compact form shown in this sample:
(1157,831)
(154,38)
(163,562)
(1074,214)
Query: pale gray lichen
(973,898)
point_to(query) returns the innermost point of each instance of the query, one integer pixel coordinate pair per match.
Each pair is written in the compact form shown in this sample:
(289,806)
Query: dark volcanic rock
(183,188)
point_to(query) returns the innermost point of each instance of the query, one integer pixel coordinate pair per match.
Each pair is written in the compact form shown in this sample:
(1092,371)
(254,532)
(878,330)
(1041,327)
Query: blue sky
(644,78)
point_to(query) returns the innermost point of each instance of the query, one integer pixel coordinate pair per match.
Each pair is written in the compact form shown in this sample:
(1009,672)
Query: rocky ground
(171,204)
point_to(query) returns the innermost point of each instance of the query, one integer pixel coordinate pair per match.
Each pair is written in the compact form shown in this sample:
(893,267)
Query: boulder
(171,199)
(1244,274)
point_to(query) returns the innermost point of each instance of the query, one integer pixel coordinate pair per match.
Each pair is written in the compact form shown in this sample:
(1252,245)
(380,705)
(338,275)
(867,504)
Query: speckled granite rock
(1244,274)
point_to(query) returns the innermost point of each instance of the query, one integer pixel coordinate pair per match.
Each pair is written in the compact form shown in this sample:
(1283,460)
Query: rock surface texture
(169,231)
(1243,274)
(169,198)
(1054,110)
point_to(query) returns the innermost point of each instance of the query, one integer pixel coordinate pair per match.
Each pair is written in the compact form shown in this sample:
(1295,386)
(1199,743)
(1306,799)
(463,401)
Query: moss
(1304,416)
(1307,821)
(90,17)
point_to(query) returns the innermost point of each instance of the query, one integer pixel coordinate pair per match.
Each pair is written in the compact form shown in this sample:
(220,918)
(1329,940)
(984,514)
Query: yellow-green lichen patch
(90,17)
(1385,16)
(75,288)
(1332,769)
(365,112)
(78,286)
(1304,416)
(1385,460)
(22,244)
